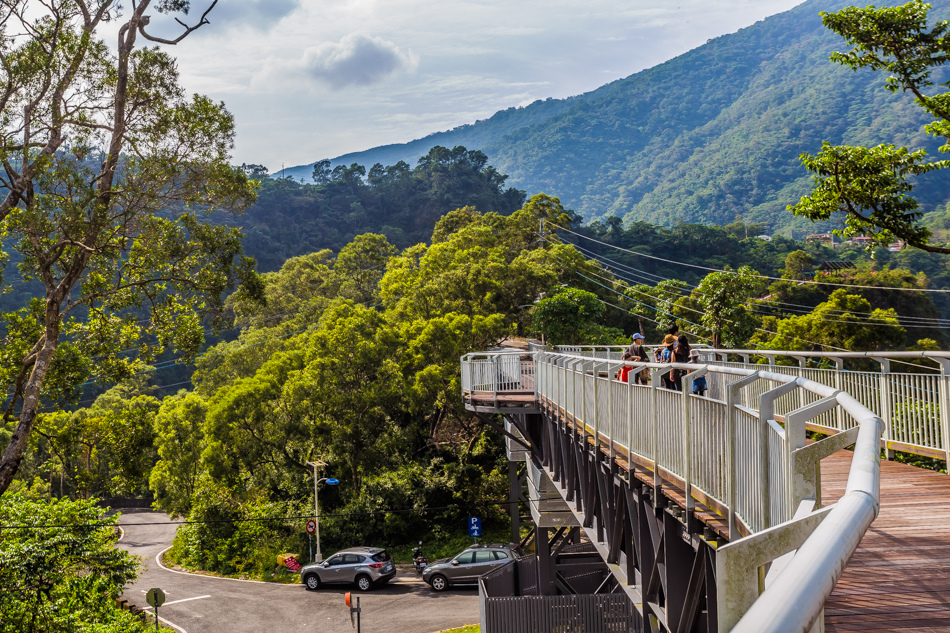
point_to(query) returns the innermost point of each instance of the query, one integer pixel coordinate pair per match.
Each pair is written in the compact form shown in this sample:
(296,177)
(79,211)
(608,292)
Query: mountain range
(711,136)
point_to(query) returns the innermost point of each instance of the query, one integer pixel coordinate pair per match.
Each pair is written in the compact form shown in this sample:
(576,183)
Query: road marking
(158,559)
(177,601)
(170,624)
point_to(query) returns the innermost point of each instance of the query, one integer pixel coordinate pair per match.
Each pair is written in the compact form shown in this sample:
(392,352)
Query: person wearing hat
(638,354)
(699,385)
(667,355)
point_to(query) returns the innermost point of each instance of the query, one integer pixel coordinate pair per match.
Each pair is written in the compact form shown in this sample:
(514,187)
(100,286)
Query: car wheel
(363,583)
(439,583)
(312,581)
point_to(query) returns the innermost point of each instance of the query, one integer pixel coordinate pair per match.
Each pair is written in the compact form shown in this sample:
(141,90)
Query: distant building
(828,239)
(767,238)
(834,266)
(861,240)
(897,246)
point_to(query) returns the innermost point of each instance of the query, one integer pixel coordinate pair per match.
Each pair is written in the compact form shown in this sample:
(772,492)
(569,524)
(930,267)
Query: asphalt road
(205,604)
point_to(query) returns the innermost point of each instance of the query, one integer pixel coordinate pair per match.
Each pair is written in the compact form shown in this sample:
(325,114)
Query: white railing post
(596,423)
(732,486)
(801,479)
(944,407)
(885,403)
(685,383)
(654,417)
(766,413)
(839,385)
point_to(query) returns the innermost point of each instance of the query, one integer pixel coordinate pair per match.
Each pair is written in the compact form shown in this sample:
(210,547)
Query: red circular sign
(311,526)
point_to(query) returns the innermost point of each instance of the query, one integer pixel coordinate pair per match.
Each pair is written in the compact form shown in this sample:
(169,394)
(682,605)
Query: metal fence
(742,449)
(915,405)
(610,613)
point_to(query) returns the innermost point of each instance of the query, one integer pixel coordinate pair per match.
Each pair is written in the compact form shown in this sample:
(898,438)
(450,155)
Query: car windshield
(382,557)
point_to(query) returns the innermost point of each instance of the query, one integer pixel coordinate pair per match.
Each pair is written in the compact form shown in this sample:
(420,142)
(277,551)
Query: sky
(313,79)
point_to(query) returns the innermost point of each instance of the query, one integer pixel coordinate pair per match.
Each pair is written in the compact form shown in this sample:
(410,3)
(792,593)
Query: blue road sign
(475,526)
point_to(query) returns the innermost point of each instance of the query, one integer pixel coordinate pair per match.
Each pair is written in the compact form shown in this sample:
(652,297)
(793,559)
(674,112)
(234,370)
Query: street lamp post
(316,505)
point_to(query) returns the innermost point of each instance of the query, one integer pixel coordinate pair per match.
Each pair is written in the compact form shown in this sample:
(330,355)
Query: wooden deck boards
(899,579)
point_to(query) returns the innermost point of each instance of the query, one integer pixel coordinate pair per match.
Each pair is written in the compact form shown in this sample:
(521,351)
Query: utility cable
(733,272)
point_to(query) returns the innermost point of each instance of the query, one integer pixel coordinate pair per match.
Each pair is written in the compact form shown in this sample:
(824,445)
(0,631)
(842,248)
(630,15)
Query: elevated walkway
(708,510)
(899,578)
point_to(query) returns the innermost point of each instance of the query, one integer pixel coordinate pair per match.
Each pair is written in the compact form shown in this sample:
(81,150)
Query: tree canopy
(109,166)
(871,185)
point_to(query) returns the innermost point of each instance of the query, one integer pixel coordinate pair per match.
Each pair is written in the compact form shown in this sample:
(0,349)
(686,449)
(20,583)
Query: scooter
(418,560)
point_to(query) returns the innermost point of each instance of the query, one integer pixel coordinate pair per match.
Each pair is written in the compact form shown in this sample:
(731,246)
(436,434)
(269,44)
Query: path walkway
(899,579)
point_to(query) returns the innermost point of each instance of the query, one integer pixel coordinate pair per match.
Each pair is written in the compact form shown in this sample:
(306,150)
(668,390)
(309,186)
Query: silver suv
(465,568)
(366,566)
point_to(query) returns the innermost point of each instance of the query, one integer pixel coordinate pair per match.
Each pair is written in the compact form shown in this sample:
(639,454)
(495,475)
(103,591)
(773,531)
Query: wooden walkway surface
(899,579)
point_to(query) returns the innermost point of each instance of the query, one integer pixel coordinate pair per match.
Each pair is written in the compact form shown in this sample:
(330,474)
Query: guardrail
(915,406)
(736,452)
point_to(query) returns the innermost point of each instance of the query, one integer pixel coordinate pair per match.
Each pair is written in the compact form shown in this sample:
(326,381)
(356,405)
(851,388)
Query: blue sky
(311,79)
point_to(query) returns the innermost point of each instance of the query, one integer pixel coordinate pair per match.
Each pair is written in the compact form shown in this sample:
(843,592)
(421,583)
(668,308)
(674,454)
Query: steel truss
(658,554)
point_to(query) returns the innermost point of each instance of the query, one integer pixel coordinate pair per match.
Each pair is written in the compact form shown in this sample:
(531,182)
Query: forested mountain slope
(473,135)
(710,136)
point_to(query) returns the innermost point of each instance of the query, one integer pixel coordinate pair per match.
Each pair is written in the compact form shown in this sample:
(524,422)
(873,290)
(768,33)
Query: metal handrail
(914,406)
(794,600)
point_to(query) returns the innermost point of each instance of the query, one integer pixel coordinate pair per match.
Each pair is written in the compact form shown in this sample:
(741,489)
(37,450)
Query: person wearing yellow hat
(667,356)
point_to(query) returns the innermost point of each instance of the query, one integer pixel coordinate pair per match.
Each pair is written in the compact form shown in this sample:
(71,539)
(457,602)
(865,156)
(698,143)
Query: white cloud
(259,14)
(356,60)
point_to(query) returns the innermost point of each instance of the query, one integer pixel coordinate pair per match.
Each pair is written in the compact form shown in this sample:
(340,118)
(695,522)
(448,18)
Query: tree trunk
(13,455)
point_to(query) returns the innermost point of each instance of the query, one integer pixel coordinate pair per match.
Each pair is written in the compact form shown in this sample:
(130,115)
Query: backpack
(666,356)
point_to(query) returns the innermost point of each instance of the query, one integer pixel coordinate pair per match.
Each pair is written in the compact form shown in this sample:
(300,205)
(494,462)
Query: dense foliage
(399,201)
(870,186)
(60,569)
(110,168)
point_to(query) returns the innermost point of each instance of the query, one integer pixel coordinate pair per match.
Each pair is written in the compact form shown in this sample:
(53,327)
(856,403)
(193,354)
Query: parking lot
(206,604)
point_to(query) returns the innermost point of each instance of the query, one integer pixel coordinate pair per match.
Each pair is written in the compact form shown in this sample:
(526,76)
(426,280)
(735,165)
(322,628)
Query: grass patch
(471,628)
(278,574)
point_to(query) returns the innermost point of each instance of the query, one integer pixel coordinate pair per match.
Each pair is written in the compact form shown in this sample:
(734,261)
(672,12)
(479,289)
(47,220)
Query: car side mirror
(325,563)
(455,562)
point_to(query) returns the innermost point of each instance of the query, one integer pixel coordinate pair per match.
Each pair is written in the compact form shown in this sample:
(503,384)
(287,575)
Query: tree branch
(188,29)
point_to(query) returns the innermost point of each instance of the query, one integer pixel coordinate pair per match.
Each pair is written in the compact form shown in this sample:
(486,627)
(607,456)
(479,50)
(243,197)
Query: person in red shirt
(622,374)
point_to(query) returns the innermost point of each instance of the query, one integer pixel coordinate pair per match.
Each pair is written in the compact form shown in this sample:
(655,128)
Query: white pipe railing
(729,449)
(914,406)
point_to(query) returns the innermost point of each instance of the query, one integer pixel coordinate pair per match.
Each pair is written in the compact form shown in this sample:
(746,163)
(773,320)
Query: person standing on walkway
(639,354)
(699,385)
(667,356)
(623,374)
(681,352)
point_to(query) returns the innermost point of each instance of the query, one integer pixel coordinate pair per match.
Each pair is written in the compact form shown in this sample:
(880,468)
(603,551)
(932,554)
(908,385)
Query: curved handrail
(796,597)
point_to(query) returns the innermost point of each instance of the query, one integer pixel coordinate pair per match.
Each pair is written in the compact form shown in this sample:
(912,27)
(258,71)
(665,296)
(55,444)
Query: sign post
(311,528)
(353,610)
(155,598)
(475,527)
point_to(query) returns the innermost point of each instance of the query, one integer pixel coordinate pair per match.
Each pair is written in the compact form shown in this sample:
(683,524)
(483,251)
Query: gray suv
(465,568)
(365,566)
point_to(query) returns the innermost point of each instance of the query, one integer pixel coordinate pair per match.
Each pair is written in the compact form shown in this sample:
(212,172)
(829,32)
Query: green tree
(179,436)
(569,318)
(350,383)
(360,265)
(796,263)
(62,571)
(871,185)
(845,321)
(722,297)
(108,165)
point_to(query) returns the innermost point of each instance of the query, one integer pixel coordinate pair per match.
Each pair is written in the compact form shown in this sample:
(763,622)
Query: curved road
(205,604)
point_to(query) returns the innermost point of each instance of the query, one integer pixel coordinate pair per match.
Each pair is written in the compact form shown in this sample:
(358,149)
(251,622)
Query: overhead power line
(733,272)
